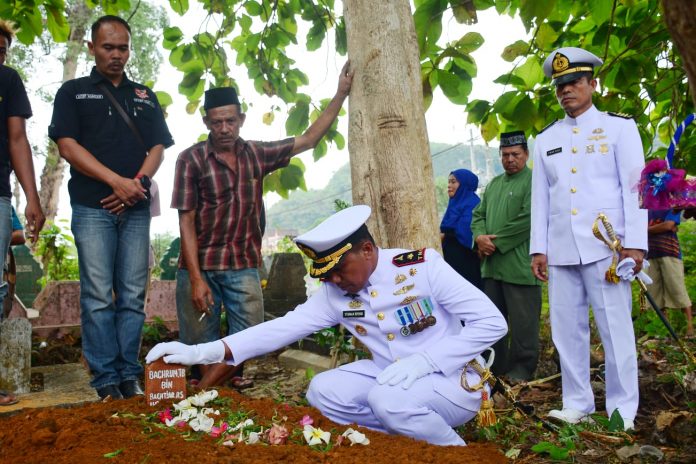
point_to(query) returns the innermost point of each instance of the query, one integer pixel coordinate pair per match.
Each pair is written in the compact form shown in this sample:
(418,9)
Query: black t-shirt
(81,111)
(13,102)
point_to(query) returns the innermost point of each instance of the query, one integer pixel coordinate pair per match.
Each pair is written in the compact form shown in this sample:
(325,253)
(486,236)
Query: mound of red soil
(87,433)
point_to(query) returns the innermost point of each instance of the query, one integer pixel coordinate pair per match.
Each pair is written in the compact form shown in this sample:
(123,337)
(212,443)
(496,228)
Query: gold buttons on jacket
(573,170)
(373,293)
(575,149)
(576,130)
(390,336)
(574,211)
(573,190)
(380,316)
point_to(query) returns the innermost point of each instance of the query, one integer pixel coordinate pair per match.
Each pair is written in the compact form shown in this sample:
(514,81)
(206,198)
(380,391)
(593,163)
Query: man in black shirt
(15,153)
(112,132)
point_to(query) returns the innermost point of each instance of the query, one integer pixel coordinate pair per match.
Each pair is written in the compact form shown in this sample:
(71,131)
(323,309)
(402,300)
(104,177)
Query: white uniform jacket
(582,167)
(376,322)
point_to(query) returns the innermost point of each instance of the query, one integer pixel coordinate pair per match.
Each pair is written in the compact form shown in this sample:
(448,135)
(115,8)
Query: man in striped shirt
(218,191)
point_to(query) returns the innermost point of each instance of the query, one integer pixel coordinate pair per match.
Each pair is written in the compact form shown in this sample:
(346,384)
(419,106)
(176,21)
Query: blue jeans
(113,254)
(237,290)
(5,236)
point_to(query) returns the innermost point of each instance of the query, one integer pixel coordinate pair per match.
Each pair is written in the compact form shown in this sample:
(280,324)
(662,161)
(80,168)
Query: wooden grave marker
(164,382)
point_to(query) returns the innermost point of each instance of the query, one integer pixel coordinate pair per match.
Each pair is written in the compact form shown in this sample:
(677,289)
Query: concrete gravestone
(286,286)
(28,274)
(164,382)
(170,260)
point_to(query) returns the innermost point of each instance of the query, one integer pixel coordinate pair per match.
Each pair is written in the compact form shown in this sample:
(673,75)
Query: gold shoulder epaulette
(410,257)
(542,130)
(620,115)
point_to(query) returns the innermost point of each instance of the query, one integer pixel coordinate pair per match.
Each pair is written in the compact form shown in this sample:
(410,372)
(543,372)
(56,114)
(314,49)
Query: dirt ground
(665,423)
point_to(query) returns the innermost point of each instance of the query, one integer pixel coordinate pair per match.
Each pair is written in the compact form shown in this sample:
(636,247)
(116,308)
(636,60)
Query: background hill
(302,210)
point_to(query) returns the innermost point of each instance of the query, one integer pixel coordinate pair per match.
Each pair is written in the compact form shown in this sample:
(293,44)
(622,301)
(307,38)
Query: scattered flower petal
(355,437)
(201,398)
(241,425)
(277,435)
(306,420)
(202,423)
(228,443)
(315,436)
(252,438)
(165,415)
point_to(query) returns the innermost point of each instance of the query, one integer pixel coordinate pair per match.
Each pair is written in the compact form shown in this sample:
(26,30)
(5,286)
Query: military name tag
(348,314)
(554,151)
(164,382)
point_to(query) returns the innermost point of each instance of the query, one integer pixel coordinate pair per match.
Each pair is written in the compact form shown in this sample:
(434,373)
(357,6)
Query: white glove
(625,270)
(406,370)
(179,353)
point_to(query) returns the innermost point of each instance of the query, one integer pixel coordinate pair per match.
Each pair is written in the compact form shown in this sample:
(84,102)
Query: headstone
(170,260)
(28,274)
(15,355)
(164,382)
(286,286)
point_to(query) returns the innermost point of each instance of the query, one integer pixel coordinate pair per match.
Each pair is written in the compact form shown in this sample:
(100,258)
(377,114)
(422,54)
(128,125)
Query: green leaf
(56,24)
(164,98)
(179,6)
(315,36)
(113,454)
(298,119)
(546,36)
(490,128)
(292,176)
(536,10)
(530,72)
(600,10)
(341,39)
(584,25)
(514,50)
(616,423)
(253,8)
(476,110)
(469,42)
(171,36)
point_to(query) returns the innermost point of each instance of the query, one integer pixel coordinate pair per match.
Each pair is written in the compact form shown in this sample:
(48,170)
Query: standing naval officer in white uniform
(405,306)
(586,164)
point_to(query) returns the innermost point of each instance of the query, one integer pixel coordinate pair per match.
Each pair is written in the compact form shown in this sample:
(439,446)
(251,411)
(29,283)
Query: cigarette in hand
(202,316)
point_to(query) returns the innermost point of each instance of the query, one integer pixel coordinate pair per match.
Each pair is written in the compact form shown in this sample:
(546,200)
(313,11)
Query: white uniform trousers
(418,412)
(571,290)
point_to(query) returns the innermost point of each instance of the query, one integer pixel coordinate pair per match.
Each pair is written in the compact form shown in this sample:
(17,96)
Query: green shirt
(505,211)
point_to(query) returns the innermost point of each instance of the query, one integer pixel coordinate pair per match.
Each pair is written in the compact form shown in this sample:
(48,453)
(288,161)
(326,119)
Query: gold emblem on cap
(413,271)
(408,300)
(399,278)
(560,63)
(355,304)
(360,329)
(404,289)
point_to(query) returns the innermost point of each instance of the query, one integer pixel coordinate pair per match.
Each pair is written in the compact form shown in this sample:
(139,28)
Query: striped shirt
(227,199)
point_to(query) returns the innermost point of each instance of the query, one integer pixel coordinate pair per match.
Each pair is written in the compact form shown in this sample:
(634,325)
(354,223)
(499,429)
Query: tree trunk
(52,173)
(680,17)
(391,167)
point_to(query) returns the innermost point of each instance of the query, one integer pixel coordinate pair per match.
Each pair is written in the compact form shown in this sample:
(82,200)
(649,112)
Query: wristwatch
(145,182)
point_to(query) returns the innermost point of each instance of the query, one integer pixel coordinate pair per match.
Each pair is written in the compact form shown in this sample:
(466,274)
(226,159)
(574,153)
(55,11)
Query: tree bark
(680,17)
(52,173)
(391,167)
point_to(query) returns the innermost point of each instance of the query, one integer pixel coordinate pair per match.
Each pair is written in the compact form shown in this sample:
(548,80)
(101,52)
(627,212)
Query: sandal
(240,383)
(7,399)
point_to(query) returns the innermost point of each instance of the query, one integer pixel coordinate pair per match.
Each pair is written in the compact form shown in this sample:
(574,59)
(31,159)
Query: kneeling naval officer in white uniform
(586,164)
(406,307)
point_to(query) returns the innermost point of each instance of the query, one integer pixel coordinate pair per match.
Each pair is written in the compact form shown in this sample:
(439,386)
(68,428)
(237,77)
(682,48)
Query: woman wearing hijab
(456,225)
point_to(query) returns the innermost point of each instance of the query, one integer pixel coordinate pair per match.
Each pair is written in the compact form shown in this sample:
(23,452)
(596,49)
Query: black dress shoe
(109,390)
(130,388)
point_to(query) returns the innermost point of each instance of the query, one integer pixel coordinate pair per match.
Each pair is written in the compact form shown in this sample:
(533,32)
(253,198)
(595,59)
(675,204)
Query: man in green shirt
(501,229)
